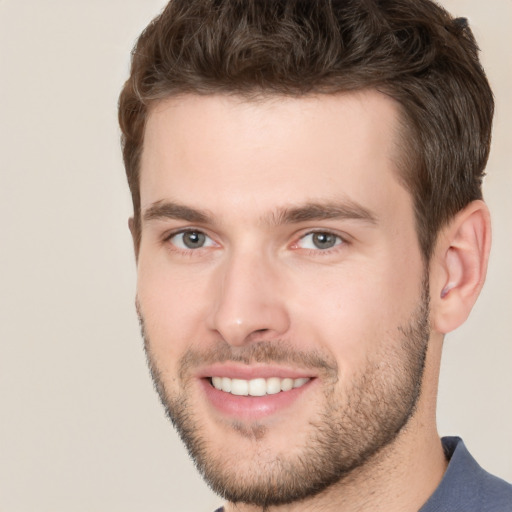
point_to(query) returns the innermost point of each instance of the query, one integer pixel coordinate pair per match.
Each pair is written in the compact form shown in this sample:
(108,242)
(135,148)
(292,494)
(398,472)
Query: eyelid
(341,240)
(181,231)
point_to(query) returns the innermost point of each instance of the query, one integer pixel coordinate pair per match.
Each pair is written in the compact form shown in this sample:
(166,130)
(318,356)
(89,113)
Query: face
(280,286)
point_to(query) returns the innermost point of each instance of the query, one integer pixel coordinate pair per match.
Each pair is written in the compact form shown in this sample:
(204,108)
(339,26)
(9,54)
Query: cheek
(353,312)
(173,306)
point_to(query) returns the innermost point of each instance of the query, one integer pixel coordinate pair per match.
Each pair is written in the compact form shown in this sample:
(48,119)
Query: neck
(399,478)
(387,483)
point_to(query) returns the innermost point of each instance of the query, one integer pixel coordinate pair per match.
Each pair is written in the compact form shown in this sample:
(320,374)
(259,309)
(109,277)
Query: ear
(135,237)
(459,266)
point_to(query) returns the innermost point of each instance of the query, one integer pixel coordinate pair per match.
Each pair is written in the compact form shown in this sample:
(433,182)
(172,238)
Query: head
(415,52)
(293,167)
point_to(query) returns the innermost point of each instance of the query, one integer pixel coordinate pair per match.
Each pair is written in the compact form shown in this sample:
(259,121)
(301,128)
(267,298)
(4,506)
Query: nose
(249,301)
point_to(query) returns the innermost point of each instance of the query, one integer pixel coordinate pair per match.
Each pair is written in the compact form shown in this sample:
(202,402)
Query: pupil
(193,239)
(324,240)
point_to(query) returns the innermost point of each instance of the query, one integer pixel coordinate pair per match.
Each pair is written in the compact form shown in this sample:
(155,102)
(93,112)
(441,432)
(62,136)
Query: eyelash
(340,242)
(189,250)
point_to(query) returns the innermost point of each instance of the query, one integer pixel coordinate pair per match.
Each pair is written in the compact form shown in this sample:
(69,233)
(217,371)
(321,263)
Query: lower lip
(252,407)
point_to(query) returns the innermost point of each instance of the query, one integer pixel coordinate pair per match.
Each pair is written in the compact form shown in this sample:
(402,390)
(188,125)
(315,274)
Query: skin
(259,279)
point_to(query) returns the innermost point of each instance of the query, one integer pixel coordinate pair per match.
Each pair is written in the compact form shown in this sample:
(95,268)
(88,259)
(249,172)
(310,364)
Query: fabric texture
(465,486)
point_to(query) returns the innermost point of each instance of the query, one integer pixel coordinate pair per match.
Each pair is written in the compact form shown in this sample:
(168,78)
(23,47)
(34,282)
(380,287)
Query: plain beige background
(80,426)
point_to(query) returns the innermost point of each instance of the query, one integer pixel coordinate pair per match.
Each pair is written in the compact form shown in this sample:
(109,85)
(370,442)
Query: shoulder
(466,487)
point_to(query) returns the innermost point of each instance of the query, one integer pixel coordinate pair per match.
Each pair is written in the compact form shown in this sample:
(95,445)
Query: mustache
(263,352)
(266,352)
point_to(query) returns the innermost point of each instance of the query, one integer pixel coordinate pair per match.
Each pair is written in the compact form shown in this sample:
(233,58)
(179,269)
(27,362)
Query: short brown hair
(411,50)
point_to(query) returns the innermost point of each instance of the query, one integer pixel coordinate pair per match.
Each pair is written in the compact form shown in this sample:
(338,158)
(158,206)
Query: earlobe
(462,255)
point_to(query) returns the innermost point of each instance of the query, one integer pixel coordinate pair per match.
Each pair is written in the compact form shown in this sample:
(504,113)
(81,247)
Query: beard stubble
(355,424)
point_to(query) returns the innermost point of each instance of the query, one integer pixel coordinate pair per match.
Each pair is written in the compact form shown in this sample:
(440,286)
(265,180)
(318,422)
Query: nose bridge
(249,303)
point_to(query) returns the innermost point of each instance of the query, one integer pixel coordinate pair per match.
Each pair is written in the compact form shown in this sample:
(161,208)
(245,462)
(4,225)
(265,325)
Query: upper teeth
(256,387)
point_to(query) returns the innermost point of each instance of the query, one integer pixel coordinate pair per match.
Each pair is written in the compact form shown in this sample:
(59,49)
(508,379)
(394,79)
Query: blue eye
(191,239)
(319,240)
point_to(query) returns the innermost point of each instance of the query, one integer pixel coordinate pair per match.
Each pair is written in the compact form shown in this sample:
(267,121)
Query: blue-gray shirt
(465,486)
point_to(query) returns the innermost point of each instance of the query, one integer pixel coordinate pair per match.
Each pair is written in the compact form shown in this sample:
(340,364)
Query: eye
(191,239)
(319,240)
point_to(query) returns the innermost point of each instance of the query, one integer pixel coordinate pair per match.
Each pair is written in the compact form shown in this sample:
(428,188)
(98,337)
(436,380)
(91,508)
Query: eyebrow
(322,211)
(311,211)
(171,210)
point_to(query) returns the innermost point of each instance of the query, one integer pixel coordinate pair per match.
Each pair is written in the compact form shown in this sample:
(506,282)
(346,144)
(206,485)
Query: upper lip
(248,372)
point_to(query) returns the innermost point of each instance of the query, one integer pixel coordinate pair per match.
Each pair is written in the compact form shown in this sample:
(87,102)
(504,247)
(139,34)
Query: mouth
(254,393)
(258,386)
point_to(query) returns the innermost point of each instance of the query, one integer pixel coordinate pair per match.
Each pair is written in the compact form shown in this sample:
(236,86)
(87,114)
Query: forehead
(221,152)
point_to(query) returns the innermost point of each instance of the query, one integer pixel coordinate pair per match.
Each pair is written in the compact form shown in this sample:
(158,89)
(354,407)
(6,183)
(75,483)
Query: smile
(257,387)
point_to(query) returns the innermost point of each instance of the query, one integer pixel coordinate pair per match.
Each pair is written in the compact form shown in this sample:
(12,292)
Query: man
(308,225)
